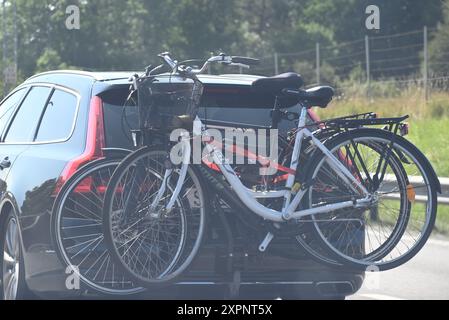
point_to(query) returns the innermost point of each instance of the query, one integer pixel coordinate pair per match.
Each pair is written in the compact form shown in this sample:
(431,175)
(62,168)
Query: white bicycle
(367,196)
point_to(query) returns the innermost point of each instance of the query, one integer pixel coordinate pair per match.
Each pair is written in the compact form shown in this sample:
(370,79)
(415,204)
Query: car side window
(8,107)
(59,115)
(26,119)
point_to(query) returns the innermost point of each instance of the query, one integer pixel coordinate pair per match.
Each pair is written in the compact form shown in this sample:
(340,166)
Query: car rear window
(234,105)
(120,117)
(242,106)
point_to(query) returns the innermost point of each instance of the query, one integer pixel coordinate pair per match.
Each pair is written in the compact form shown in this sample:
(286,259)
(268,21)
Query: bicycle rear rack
(395,124)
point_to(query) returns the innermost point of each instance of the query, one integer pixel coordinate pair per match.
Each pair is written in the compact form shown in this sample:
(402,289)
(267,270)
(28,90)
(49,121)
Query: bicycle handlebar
(222,58)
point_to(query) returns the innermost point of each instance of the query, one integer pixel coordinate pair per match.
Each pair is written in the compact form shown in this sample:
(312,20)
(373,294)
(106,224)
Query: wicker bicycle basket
(167,103)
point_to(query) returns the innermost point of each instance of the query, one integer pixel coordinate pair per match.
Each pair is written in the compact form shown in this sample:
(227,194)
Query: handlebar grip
(246,60)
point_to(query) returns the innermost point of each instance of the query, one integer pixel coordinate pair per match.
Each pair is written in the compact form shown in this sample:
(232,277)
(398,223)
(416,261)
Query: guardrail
(443,198)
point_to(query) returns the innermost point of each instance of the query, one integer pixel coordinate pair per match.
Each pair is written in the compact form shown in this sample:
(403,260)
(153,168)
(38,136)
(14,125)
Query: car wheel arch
(7,209)
(8,206)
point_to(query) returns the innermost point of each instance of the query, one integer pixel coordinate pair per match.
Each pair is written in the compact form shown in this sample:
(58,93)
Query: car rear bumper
(267,278)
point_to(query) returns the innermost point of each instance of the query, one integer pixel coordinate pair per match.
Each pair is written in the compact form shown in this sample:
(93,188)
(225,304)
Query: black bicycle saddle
(276,84)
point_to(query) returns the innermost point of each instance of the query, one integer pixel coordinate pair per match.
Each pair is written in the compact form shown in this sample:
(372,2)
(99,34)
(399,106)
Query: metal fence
(399,59)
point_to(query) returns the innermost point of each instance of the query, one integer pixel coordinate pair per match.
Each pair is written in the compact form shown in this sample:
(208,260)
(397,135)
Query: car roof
(122,77)
(98,76)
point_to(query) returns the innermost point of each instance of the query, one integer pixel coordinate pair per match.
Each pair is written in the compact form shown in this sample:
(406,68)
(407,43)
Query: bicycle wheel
(394,227)
(78,234)
(307,237)
(152,246)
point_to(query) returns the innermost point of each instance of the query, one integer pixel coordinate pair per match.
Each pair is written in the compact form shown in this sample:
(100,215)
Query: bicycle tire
(422,164)
(68,237)
(175,269)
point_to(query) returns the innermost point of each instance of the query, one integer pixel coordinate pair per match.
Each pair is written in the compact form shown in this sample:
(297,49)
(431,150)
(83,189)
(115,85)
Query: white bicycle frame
(249,197)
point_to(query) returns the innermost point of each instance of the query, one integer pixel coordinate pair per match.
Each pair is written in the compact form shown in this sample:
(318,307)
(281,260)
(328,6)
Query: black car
(57,122)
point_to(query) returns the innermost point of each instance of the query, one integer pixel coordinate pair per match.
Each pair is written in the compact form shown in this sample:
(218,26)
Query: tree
(50,60)
(439,46)
(119,35)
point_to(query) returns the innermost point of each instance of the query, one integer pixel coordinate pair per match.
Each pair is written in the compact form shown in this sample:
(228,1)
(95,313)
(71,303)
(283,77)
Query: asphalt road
(424,277)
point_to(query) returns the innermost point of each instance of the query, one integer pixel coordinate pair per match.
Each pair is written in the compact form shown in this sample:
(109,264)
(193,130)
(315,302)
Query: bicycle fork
(185,158)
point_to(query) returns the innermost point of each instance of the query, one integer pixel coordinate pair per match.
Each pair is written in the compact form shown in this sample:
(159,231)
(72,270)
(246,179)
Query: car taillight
(84,186)
(95,143)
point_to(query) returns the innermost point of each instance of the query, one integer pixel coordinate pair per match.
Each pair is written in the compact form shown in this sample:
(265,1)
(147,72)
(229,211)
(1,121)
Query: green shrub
(439,106)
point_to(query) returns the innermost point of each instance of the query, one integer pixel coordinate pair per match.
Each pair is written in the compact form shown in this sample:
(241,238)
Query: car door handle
(6,163)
